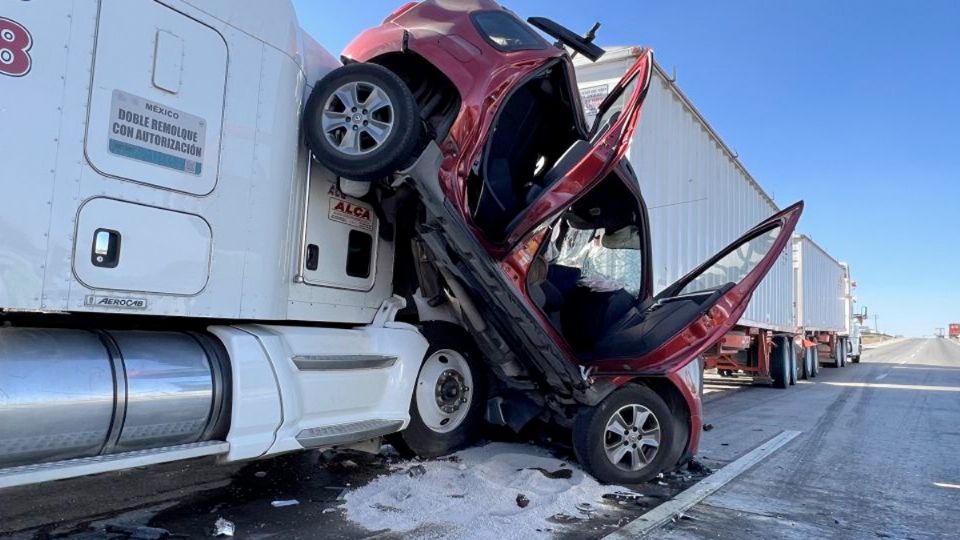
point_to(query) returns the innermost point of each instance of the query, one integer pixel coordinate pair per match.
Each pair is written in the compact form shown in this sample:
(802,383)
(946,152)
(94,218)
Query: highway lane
(879,456)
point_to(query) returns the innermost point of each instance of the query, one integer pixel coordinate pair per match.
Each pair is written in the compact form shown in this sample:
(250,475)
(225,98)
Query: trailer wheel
(807,365)
(780,365)
(838,354)
(843,353)
(361,122)
(814,360)
(630,437)
(446,410)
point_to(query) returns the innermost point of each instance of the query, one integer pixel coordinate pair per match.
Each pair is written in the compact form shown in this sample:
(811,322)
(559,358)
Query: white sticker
(592,97)
(92,300)
(351,214)
(147,131)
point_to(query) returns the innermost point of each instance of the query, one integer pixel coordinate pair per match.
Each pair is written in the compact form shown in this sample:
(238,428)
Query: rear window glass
(505,32)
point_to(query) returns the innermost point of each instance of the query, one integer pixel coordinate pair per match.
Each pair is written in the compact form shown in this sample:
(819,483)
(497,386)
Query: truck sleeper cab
(177,276)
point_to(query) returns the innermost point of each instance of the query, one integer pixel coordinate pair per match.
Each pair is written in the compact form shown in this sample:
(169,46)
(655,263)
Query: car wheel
(630,437)
(446,410)
(361,122)
(780,365)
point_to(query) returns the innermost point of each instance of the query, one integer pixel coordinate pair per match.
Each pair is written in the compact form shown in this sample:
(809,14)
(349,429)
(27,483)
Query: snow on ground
(474,495)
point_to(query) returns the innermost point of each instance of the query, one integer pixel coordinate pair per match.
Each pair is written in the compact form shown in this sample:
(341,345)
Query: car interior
(536,138)
(587,279)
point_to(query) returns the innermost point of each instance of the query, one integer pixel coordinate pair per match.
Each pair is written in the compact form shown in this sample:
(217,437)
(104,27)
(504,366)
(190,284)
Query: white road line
(662,514)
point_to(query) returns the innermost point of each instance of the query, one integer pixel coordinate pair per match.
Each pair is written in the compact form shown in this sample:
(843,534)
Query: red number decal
(15,41)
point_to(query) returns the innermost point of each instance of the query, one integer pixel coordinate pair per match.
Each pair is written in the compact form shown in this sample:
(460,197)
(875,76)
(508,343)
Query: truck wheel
(843,353)
(794,366)
(630,437)
(838,355)
(446,410)
(361,122)
(780,363)
(807,365)
(814,360)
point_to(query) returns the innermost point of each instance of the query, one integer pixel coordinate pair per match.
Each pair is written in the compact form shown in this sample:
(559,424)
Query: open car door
(589,160)
(693,313)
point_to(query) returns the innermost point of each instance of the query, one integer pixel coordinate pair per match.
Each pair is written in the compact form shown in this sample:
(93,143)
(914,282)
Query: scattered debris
(386,508)
(707,427)
(697,467)
(522,500)
(565,474)
(416,471)
(139,532)
(285,502)
(223,527)
(328,510)
(479,500)
(624,497)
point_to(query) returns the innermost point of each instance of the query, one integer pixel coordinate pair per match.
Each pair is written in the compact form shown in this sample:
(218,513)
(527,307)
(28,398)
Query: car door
(693,313)
(589,161)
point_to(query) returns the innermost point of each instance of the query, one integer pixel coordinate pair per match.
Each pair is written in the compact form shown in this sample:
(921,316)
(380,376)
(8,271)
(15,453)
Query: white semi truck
(177,277)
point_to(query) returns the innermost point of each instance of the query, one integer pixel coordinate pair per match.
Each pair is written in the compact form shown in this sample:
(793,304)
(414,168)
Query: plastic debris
(522,500)
(285,502)
(415,472)
(697,467)
(564,474)
(707,427)
(623,497)
(223,527)
(139,532)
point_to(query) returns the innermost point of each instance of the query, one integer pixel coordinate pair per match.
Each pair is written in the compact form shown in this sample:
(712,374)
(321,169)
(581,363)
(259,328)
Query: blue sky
(851,105)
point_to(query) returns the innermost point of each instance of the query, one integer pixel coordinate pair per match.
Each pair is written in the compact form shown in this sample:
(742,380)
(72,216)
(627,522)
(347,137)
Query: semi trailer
(217,240)
(953,331)
(823,305)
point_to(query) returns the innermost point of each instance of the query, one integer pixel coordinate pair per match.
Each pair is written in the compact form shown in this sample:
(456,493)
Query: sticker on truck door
(147,131)
(15,43)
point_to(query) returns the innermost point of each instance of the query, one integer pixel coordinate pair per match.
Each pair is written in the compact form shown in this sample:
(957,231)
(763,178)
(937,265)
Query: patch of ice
(476,496)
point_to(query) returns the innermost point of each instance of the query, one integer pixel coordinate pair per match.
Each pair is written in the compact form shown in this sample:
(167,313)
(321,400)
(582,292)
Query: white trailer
(700,196)
(822,305)
(177,277)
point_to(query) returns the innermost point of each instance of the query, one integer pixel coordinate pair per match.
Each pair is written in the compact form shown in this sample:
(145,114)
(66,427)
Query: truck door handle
(106,248)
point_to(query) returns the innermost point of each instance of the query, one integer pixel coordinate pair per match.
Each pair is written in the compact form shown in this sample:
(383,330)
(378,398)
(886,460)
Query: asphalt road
(878,457)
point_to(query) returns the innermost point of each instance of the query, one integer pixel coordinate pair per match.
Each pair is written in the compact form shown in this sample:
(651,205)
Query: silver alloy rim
(632,437)
(444,390)
(358,118)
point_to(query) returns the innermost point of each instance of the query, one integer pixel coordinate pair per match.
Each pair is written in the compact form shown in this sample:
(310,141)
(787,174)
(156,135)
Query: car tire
(363,144)
(641,414)
(780,365)
(452,370)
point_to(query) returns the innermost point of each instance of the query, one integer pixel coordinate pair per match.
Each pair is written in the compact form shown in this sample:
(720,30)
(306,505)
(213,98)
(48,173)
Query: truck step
(347,433)
(71,468)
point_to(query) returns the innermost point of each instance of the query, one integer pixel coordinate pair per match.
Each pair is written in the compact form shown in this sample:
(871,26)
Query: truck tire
(838,355)
(629,437)
(814,360)
(843,353)
(446,410)
(807,364)
(361,122)
(780,365)
(794,366)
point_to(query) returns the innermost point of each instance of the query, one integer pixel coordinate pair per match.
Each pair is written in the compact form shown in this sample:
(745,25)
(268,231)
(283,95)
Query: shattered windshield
(602,267)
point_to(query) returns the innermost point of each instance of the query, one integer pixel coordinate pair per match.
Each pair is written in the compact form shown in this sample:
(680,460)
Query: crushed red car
(529,226)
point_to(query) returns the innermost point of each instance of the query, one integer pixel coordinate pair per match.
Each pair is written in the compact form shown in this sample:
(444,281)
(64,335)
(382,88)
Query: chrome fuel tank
(76,393)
